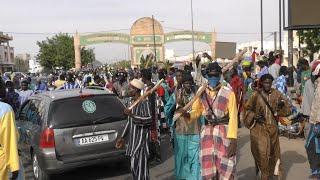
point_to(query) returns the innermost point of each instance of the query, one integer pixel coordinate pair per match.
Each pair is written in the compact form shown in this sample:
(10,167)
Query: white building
(34,66)
(6,53)
(269,46)
(169,53)
(24,56)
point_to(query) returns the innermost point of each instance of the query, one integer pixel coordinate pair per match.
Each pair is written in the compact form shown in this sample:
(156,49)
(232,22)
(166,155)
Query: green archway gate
(146,35)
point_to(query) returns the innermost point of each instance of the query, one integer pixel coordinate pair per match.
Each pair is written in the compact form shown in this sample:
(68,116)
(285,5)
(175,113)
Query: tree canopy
(58,51)
(121,64)
(146,61)
(312,39)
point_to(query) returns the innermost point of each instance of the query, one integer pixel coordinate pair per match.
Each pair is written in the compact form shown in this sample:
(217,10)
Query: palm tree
(167,65)
(146,62)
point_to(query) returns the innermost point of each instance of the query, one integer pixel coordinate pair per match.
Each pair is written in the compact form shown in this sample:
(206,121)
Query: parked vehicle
(63,130)
(295,128)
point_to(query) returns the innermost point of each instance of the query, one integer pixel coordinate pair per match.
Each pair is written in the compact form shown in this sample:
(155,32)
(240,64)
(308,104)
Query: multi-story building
(6,53)
(24,56)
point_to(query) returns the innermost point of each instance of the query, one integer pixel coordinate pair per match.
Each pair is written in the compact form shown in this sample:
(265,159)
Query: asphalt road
(293,156)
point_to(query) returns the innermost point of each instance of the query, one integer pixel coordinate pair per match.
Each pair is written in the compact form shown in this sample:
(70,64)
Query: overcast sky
(51,16)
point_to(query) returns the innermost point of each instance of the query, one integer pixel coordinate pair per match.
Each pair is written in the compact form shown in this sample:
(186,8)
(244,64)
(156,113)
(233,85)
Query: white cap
(137,84)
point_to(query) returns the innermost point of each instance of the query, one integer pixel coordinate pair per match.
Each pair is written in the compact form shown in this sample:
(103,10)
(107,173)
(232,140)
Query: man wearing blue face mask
(219,135)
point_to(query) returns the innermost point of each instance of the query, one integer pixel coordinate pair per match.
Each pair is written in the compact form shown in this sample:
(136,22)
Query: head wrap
(187,77)
(266,76)
(315,68)
(214,66)
(137,84)
(246,63)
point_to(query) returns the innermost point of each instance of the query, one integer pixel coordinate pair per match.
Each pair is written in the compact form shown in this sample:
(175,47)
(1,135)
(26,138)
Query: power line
(116,30)
(53,33)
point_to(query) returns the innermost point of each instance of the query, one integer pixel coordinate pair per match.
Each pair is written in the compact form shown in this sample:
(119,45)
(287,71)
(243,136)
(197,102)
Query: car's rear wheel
(38,173)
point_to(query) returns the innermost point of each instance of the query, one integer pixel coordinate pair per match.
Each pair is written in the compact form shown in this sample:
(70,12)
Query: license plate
(93,139)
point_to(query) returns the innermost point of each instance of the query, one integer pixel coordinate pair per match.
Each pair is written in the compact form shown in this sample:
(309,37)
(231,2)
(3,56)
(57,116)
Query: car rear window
(88,110)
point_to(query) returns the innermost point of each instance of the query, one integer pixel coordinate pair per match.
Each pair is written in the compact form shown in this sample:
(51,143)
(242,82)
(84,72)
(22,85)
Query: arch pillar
(213,44)
(77,51)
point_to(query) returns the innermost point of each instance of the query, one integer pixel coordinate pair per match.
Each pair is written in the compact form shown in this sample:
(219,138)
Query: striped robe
(71,85)
(139,138)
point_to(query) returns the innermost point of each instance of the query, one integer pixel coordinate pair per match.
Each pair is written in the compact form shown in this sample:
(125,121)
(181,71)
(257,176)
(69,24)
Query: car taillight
(47,138)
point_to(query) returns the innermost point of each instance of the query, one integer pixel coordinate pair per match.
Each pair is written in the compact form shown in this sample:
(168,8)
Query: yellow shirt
(9,158)
(59,83)
(197,111)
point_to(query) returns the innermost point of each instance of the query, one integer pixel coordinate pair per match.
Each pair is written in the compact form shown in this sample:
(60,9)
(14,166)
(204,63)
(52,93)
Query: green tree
(87,56)
(146,62)
(312,40)
(125,64)
(122,64)
(58,51)
(167,65)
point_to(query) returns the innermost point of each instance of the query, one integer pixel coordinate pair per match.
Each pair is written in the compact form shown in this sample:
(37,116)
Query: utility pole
(193,58)
(154,40)
(128,57)
(280,29)
(290,55)
(299,45)
(275,40)
(261,21)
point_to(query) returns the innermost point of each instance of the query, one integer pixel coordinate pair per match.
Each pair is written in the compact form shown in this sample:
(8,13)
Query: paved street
(293,155)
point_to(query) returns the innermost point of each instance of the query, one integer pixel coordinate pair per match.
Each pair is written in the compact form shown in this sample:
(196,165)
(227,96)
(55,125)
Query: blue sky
(51,16)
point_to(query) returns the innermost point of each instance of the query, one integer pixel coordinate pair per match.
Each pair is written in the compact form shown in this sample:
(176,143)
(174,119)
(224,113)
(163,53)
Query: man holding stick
(218,146)
(138,128)
(155,155)
(219,134)
(186,132)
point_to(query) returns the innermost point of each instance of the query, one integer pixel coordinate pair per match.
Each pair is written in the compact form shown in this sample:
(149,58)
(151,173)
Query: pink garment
(213,153)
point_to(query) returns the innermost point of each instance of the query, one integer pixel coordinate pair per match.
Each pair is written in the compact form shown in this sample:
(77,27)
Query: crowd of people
(200,107)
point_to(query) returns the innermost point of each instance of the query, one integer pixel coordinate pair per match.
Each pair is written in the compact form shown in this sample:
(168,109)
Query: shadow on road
(243,141)
(101,171)
(248,173)
(169,178)
(159,176)
(289,158)
(113,170)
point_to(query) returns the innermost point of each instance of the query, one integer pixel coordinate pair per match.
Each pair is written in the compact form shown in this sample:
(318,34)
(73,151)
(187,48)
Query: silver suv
(63,130)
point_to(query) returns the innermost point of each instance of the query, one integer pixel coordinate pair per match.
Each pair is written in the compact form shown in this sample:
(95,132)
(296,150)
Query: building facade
(34,66)
(6,54)
(24,56)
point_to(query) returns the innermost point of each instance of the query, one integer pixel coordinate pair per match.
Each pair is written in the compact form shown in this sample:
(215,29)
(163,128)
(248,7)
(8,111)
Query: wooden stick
(234,60)
(148,61)
(240,100)
(204,86)
(189,104)
(145,95)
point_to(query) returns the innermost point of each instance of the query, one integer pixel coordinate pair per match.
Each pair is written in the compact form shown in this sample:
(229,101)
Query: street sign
(98,38)
(187,36)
